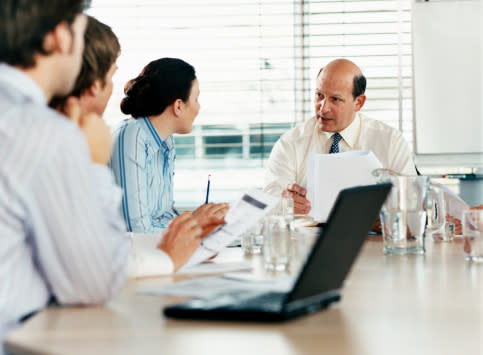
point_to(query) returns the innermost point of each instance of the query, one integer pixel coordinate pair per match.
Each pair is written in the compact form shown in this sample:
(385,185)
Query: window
(256,62)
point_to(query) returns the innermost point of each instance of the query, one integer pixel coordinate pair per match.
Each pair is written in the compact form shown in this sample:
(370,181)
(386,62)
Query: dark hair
(100,53)
(25,23)
(160,83)
(358,84)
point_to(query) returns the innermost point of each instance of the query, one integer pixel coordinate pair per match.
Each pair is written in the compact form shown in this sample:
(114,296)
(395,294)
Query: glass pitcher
(404,215)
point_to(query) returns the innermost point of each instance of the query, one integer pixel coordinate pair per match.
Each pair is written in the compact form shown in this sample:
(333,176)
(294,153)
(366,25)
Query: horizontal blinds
(377,36)
(256,62)
(248,56)
(243,53)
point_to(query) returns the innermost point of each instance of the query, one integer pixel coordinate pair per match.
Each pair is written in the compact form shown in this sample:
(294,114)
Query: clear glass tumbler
(252,239)
(277,242)
(473,235)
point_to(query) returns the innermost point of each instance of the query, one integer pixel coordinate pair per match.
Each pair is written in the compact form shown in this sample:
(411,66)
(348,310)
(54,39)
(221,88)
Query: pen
(208,189)
(175,211)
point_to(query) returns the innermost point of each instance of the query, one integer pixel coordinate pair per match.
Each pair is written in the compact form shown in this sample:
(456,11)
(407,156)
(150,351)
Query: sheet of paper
(327,174)
(208,287)
(243,214)
(454,204)
(303,220)
(216,268)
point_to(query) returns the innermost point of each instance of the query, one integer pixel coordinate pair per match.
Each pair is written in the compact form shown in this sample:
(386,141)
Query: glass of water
(277,242)
(252,239)
(473,235)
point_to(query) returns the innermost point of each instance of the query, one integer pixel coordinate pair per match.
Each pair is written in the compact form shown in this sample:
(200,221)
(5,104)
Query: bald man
(336,127)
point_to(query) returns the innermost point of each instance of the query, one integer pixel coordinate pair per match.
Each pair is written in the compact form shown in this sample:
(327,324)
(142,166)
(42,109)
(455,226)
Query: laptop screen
(339,241)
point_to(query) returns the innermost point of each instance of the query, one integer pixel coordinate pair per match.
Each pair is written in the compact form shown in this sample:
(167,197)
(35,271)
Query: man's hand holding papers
(187,228)
(191,228)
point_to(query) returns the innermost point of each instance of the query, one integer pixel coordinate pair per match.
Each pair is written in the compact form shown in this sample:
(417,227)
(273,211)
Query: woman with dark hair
(162,100)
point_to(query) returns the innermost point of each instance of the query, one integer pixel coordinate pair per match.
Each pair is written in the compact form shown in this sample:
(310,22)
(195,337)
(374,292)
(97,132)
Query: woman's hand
(210,216)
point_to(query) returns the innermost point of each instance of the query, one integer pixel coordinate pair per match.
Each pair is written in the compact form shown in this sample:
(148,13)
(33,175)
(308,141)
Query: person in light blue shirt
(162,100)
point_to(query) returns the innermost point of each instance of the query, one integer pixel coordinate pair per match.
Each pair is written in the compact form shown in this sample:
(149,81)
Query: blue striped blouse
(143,165)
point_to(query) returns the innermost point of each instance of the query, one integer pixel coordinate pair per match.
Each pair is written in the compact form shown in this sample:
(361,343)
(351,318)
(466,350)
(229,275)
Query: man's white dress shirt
(288,160)
(61,232)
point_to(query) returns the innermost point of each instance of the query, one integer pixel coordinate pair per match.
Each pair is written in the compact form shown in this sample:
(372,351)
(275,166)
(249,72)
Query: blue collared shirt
(143,165)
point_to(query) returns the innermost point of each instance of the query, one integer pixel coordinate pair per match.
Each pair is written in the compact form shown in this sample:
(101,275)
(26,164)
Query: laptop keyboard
(242,301)
(266,302)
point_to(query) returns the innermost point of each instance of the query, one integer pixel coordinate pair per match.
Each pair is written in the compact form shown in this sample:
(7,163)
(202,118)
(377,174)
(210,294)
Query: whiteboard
(448,77)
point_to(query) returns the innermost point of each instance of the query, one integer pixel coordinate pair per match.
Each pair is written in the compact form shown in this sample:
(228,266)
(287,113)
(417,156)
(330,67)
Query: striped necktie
(334,148)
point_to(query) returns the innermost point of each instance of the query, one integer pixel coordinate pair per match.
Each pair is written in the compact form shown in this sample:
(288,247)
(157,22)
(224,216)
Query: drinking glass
(277,241)
(473,235)
(252,239)
(404,215)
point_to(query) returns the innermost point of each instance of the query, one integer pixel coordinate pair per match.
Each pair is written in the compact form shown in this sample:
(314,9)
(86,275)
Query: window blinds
(256,62)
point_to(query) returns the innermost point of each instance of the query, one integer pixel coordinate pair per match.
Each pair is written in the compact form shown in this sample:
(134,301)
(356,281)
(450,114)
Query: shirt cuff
(146,259)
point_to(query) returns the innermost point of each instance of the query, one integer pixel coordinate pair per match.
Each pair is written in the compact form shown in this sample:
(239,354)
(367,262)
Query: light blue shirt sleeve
(143,168)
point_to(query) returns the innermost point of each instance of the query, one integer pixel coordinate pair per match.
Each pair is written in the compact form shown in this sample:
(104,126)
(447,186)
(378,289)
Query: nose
(324,107)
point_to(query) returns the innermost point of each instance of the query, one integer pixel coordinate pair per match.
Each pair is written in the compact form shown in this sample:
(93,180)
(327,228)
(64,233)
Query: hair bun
(134,91)
(160,83)
(126,105)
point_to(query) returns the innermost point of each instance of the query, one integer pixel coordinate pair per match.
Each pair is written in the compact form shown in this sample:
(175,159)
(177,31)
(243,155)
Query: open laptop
(321,278)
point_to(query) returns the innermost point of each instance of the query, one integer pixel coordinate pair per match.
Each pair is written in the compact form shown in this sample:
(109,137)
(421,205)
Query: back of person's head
(100,52)
(160,84)
(25,23)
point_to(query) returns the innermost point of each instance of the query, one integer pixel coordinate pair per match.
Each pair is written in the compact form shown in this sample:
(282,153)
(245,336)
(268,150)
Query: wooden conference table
(431,304)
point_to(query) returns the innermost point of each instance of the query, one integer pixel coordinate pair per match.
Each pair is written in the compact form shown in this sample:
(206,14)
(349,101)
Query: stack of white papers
(216,268)
(210,287)
(328,174)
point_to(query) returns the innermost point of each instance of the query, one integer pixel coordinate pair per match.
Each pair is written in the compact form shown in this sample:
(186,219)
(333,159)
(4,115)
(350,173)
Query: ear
(59,39)
(95,88)
(359,102)
(178,107)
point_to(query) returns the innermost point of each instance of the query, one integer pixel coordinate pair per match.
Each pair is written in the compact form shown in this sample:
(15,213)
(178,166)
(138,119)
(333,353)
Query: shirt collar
(350,133)
(21,82)
(167,144)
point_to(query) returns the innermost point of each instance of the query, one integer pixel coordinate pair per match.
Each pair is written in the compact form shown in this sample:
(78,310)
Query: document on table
(216,268)
(251,207)
(327,174)
(455,206)
(209,287)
